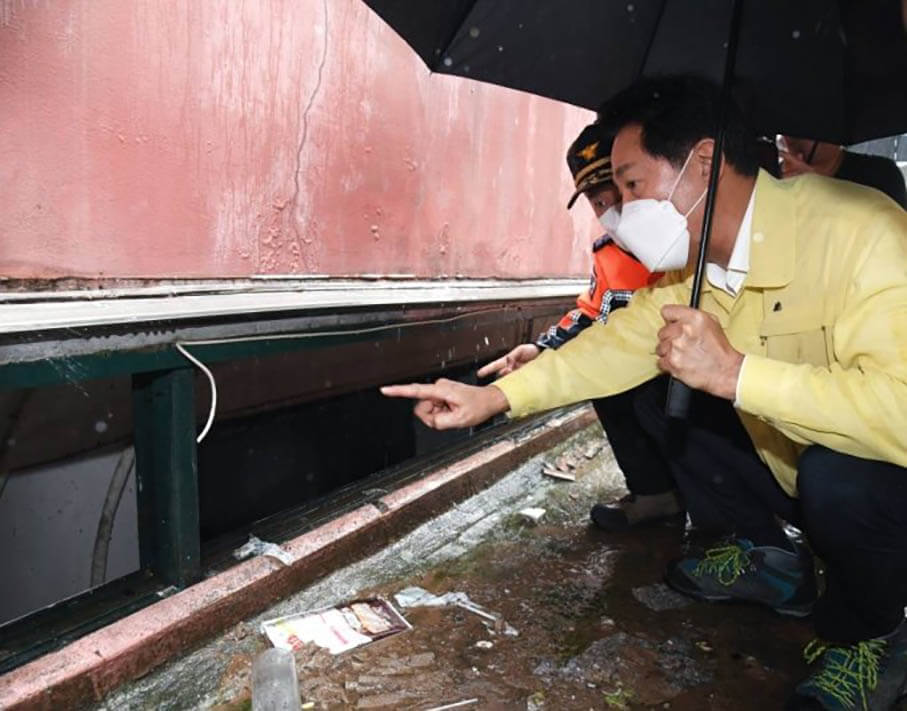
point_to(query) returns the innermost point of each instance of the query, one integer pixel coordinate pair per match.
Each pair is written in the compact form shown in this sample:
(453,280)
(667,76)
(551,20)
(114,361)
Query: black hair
(675,113)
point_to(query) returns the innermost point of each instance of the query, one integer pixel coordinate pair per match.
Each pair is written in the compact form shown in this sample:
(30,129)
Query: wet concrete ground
(597,629)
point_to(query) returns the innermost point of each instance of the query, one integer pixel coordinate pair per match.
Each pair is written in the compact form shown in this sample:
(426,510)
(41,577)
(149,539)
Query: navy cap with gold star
(589,160)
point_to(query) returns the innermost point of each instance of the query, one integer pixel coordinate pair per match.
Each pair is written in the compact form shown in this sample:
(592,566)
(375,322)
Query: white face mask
(609,219)
(654,231)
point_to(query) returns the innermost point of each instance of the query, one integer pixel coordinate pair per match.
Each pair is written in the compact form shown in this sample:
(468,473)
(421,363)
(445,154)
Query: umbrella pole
(678,402)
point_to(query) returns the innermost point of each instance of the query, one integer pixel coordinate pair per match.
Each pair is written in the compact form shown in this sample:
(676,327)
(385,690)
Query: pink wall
(217,138)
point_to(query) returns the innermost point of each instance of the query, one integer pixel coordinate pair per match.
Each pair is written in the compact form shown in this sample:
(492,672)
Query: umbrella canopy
(834,70)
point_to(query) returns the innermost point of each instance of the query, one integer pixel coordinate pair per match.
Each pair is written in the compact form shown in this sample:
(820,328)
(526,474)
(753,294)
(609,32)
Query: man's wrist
(497,400)
(739,380)
(729,387)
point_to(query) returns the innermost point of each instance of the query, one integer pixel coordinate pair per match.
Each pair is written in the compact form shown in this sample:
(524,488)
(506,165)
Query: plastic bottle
(274,684)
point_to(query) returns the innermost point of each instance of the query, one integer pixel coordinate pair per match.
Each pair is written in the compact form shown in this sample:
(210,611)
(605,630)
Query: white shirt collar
(731,279)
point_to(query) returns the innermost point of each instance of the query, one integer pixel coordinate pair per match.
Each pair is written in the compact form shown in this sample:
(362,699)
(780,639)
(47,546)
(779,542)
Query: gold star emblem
(590,151)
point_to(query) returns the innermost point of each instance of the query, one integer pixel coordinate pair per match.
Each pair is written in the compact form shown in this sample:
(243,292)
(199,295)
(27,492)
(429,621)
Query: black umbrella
(834,70)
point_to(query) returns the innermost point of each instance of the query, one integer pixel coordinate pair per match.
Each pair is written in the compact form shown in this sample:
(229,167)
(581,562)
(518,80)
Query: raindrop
(631,7)
(520,26)
(500,48)
(466,69)
(100,426)
(448,61)
(473,32)
(796,34)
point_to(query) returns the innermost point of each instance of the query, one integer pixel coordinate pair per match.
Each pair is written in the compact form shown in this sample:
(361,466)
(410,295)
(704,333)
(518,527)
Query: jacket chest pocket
(797,337)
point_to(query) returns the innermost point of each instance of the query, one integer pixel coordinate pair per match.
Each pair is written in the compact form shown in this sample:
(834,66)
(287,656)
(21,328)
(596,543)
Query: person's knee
(648,404)
(825,484)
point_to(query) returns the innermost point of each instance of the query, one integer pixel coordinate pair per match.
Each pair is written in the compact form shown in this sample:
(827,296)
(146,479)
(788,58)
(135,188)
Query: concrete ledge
(86,670)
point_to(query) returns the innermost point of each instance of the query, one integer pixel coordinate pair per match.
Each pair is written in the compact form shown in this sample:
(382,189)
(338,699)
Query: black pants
(645,469)
(853,511)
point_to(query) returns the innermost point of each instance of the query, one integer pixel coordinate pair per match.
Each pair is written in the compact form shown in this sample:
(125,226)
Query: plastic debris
(484,644)
(274,683)
(339,628)
(420,597)
(556,473)
(532,514)
(593,449)
(455,705)
(256,546)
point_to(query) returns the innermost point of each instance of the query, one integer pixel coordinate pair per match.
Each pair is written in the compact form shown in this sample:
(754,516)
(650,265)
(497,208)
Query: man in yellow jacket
(799,359)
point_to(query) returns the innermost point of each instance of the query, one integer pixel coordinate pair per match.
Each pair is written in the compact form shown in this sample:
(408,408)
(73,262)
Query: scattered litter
(456,705)
(274,681)
(308,705)
(337,629)
(555,473)
(565,463)
(532,514)
(420,597)
(256,546)
(536,702)
(705,646)
(660,597)
(592,450)
(240,631)
(484,644)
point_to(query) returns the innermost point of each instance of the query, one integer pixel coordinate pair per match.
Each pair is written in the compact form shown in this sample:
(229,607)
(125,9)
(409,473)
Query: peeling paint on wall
(213,139)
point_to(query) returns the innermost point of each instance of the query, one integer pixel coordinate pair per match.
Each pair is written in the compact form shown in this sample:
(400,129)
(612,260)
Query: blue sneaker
(869,676)
(737,570)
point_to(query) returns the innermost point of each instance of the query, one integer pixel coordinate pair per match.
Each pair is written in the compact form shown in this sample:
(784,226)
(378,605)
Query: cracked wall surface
(209,139)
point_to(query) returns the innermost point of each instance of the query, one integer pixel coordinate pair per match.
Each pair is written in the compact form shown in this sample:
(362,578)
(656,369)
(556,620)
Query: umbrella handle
(679,394)
(678,404)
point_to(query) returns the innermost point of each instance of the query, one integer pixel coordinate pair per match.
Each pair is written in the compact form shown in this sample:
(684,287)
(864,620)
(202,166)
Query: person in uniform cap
(616,274)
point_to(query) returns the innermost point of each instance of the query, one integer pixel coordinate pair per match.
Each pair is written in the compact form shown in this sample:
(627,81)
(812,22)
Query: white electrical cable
(201,366)
(318,334)
(290,336)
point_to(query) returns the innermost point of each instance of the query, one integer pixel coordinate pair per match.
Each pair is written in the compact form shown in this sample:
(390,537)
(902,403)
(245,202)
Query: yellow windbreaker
(821,317)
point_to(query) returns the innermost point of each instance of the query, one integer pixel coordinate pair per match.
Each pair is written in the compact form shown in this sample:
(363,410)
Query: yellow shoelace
(849,673)
(725,563)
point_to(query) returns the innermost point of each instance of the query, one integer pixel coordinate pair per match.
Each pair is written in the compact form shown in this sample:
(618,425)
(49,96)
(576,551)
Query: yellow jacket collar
(773,242)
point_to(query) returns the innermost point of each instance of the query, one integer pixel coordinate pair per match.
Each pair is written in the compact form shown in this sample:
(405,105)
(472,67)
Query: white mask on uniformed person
(609,219)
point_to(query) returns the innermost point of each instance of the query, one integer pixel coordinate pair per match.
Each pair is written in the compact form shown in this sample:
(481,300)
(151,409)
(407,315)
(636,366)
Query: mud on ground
(597,628)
